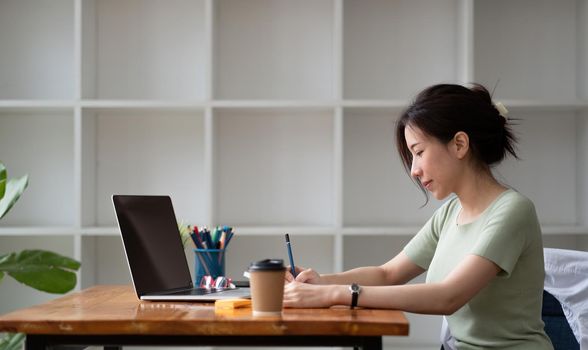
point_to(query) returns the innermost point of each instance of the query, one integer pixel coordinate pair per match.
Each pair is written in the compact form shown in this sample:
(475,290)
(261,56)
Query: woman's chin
(438,195)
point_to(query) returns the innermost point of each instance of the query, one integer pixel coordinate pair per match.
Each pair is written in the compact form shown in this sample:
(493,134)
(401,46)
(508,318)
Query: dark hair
(443,110)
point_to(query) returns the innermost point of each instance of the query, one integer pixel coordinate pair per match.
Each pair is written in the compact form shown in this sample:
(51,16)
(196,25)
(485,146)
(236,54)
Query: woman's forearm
(368,276)
(467,279)
(434,298)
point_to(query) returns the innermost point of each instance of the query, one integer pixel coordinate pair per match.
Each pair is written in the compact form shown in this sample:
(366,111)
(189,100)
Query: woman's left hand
(305,295)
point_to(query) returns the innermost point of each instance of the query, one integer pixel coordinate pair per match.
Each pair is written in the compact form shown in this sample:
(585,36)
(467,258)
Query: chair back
(556,325)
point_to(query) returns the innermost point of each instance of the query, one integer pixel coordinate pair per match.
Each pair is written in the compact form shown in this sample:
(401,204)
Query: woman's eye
(419,153)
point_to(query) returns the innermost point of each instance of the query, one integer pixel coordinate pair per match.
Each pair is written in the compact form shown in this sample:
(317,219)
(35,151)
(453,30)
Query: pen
(292,267)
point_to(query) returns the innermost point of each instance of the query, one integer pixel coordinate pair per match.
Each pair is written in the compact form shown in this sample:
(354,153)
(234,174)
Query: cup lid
(267,265)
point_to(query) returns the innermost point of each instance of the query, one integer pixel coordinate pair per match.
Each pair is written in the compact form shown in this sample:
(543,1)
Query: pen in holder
(209,255)
(208,262)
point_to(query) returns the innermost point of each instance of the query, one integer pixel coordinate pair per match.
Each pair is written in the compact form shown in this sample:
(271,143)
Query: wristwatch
(355,289)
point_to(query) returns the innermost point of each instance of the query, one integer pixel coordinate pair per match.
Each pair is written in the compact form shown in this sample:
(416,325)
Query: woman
(482,249)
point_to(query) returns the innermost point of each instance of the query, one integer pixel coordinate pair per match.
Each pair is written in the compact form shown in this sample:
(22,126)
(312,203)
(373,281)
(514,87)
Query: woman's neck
(477,191)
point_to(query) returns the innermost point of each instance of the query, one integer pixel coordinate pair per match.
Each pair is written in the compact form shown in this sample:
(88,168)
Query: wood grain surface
(116,310)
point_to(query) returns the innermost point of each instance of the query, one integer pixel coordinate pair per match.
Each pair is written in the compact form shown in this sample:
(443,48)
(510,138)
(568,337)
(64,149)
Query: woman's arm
(445,297)
(398,270)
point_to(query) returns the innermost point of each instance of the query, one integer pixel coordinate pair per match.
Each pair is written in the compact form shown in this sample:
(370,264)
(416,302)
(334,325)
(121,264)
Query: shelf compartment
(142,151)
(39,144)
(528,47)
(274,167)
(274,49)
(381,249)
(393,49)
(103,262)
(30,30)
(143,49)
(377,191)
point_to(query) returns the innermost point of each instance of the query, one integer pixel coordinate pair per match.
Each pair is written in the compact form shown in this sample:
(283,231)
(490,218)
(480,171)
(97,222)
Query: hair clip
(501,110)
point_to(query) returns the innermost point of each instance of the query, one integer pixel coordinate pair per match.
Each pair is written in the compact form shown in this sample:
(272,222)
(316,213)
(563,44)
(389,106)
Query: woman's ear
(461,144)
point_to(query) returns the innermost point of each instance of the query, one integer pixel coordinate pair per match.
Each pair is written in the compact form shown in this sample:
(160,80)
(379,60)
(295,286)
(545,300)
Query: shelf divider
(465,43)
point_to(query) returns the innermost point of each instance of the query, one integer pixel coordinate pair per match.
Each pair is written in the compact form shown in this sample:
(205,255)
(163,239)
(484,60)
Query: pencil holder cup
(208,262)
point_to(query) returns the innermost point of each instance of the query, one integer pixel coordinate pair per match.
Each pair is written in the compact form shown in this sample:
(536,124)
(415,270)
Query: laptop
(155,254)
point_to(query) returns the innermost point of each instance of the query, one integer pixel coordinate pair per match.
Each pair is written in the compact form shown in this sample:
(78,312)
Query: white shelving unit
(273,116)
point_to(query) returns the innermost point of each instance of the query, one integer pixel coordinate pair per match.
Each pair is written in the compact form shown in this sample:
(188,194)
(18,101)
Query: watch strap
(354,295)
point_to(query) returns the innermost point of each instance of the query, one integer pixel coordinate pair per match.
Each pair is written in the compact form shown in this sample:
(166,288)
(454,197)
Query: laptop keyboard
(196,291)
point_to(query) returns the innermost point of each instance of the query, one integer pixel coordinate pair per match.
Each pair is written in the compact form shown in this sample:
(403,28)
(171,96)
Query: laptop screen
(152,243)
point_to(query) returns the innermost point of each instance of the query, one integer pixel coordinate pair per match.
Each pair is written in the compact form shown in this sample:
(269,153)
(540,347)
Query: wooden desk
(112,316)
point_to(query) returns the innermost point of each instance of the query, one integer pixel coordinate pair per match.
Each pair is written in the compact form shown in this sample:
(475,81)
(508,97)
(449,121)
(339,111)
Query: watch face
(355,287)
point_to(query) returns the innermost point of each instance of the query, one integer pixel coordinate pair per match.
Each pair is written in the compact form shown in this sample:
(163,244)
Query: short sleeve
(422,246)
(506,233)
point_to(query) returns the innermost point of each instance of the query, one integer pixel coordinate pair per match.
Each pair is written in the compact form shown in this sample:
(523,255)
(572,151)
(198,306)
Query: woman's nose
(415,170)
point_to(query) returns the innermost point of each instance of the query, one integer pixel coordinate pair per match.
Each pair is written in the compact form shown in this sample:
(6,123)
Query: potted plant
(40,269)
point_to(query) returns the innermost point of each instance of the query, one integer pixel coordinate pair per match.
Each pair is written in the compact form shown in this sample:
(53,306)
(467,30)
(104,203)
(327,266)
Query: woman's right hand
(304,275)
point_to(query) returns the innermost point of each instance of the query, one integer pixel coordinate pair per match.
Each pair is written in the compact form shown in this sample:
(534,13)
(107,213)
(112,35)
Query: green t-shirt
(506,314)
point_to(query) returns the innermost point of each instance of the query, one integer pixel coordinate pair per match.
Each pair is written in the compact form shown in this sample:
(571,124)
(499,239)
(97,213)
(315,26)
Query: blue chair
(556,324)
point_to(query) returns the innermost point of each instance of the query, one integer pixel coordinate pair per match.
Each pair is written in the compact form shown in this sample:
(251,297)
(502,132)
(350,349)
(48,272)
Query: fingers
(289,277)
(307,276)
(302,277)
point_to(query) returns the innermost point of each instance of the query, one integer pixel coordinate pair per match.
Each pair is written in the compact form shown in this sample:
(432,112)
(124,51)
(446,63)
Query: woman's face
(434,164)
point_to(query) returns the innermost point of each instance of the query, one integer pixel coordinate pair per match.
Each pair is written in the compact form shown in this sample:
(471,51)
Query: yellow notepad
(231,304)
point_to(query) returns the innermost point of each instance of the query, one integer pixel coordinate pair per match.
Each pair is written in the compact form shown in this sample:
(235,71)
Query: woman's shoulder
(514,199)
(512,205)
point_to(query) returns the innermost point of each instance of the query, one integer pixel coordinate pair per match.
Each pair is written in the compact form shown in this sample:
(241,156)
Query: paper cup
(267,286)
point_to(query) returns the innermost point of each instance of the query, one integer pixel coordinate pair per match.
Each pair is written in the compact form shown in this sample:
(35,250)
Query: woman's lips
(427,184)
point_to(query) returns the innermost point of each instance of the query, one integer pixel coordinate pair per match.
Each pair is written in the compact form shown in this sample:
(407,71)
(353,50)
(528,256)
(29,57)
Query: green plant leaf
(11,341)
(14,188)
(184,234)
(40,269)
(3,258)
(2,180)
